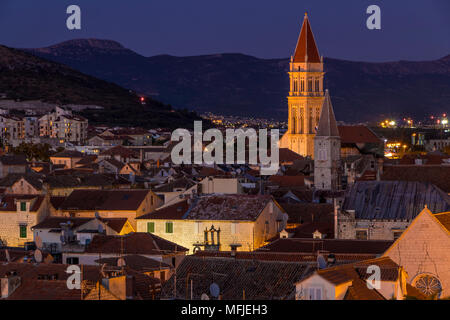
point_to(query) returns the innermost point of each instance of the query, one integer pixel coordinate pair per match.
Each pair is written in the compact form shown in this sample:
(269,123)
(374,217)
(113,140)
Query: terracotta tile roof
(15,254)
(116,224)
(284,256)
(68,154)
(444,219)
(436,174)
(8,202)
(137,263)
(306,45)
(261,280)
(183,183)
(172,212)
(87,160)
(357,274)
(13,160)
(133,243)
(37,271)
(228,207)
(55,222)
(288,181)
(120,151)
(31,289)
(287,155)
(114,200)
(306,230)
(77,179)
(357,134)
(36,180)
(308,212)
(56,201)
(428,159)
(341,246)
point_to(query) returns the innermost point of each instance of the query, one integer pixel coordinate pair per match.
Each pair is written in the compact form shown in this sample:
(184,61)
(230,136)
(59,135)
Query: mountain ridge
(239,84)
(25,77)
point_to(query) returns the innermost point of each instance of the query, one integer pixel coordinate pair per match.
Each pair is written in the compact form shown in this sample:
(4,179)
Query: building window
(361,234)
(302,84)
(169,227)
(315,293)
(23,231)
(23,206)
(151,227)
(317,86)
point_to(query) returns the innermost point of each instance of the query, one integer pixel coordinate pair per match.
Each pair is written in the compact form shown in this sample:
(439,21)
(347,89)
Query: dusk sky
(411,30)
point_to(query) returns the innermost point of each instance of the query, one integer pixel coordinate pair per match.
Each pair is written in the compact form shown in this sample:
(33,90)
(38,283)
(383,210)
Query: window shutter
(151,227)
(23,231)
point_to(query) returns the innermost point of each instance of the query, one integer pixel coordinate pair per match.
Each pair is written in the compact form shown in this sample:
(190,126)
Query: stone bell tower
(306,94)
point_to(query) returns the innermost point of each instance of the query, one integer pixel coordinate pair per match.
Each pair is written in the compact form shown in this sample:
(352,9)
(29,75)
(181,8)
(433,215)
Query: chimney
(336,211)
(9,283)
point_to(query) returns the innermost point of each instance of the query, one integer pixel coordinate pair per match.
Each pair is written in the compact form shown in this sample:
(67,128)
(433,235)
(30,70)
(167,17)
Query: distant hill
(26,77)
(244,85)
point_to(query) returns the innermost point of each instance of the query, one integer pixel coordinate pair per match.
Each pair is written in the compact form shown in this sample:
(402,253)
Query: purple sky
(411,29)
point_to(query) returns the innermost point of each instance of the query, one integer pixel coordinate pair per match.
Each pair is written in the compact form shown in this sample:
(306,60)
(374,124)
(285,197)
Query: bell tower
(306,94)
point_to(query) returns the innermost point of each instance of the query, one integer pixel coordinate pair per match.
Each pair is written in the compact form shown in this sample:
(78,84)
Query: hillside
(244,85)
(27,77)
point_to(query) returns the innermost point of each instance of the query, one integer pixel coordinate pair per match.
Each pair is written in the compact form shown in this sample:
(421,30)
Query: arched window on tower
(295,85)
(311,123)
(317,85)
(302,84)
(310,86)
(302,121)
(294,121)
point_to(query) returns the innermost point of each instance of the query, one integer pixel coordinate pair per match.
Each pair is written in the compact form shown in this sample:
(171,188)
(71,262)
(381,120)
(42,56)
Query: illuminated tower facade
(306,94)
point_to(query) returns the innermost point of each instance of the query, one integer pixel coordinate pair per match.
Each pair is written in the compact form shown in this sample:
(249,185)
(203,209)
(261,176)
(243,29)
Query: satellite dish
(214,290)
(38,255)
(321,263)
(38,241)
(204,297)
(121,262)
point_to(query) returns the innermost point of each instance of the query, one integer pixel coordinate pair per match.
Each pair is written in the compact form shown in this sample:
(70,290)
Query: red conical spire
(306,50)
